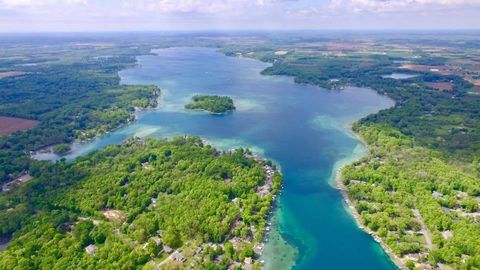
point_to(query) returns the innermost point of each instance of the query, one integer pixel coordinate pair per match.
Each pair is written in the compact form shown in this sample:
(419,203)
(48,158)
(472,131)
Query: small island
(213,104)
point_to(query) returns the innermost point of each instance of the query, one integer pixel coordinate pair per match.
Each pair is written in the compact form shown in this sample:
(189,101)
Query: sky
(161,15)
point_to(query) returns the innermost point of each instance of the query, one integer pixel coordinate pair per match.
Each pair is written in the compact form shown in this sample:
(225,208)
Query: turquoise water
(302,128)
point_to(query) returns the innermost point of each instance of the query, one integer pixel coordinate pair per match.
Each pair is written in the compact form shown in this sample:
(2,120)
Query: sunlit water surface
(302,128)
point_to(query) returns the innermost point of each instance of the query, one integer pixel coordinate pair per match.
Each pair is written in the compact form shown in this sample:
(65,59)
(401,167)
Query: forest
(420,177)
(73,98)
(422,166)
(441,120)
(398,177)
(133,202)
(140,204)
(212,104)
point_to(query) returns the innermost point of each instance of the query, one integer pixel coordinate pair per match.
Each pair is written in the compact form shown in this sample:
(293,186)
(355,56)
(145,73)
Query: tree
(81,231)
(172,238)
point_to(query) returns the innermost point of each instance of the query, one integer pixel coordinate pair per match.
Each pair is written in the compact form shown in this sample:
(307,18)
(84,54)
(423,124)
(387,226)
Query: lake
(399,76)
(304,129)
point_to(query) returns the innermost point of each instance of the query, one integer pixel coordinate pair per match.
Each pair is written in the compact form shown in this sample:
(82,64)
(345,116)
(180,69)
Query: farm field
(9,125)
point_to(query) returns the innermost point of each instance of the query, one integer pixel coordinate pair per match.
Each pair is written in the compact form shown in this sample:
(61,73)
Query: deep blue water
(302,128)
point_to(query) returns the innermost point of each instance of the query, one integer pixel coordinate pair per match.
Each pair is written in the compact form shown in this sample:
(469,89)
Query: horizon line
(248,30)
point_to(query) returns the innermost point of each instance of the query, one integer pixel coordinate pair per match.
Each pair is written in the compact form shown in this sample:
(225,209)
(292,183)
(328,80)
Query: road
(428,239)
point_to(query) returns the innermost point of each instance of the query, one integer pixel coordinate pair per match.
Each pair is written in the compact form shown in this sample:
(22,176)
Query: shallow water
(302,128)
(400,76)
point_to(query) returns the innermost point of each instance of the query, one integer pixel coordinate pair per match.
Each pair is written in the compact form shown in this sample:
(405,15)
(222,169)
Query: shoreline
(350,205)
(333,178)
(336,178)
(48,150)
(211,113)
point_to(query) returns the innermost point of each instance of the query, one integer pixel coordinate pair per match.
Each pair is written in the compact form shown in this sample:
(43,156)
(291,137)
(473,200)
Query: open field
(9,125)
(443,86)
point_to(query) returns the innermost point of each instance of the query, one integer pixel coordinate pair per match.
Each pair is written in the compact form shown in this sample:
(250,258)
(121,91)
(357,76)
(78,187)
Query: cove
(304,129)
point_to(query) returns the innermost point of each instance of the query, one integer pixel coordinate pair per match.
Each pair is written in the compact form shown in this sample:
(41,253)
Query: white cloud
(384,6)
(238,14)
(19,4)
(198,6)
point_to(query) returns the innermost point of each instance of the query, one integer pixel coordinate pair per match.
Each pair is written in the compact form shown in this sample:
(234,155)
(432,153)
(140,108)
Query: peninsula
(156,204)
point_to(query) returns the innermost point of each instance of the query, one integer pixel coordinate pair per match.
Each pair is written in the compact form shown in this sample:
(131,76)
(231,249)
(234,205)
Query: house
(153,202)
(177,256)
(91,249)
(157,240)
(447,234)
(258,248)
(357,182)
(167,249)
(17,181)
(248,263)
